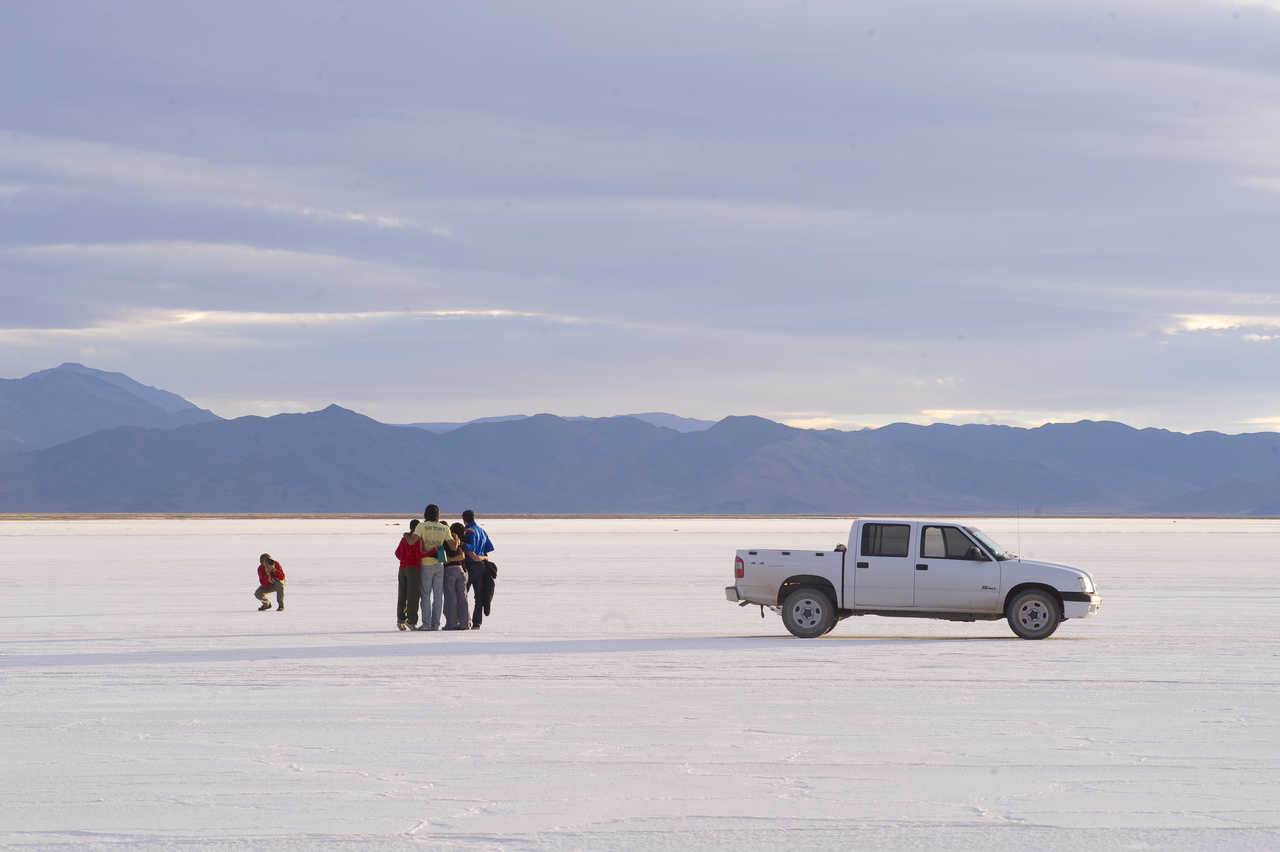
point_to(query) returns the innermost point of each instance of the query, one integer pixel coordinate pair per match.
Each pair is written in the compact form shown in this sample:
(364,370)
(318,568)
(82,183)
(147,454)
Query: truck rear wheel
(808,612)
(1034,614)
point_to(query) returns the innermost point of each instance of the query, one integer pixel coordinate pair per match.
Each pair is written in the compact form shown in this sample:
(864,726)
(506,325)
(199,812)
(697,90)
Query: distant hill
(71,400)
(657,418)
(336,460)
(440,427)
(674,421)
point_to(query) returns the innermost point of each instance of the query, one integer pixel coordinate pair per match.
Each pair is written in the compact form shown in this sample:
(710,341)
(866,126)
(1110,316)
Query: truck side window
(885,539)
(948,543)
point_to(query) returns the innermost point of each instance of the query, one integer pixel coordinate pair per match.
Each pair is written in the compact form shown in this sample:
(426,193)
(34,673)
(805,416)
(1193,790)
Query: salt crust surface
(615,700)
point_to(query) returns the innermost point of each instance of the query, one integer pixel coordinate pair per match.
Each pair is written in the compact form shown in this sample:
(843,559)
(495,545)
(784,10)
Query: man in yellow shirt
(434,534)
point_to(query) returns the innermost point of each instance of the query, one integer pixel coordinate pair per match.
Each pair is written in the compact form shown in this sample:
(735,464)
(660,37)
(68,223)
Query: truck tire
(808,612)
(1034,614)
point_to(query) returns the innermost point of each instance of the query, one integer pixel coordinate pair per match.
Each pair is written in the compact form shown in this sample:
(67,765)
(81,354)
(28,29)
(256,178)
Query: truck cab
(912,568)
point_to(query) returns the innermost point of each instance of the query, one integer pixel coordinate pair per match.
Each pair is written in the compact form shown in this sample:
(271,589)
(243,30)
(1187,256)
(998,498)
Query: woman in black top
(456,614)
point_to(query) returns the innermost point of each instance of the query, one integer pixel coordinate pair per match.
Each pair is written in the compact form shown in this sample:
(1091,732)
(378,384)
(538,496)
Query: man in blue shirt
(481,573)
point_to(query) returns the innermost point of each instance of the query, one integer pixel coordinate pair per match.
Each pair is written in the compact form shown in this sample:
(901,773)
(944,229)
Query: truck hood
(1061,577)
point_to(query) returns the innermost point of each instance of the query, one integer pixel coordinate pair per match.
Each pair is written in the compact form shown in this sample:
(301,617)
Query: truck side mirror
(840,548)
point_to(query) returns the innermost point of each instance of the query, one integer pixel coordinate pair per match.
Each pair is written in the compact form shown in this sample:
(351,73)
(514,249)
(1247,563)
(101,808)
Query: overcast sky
(828,213)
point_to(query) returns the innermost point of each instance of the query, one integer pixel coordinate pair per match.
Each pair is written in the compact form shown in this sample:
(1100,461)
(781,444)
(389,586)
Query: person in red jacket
(270,579)
(410,551)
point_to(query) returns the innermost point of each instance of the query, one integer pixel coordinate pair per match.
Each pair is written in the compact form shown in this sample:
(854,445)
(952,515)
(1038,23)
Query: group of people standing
(438,564)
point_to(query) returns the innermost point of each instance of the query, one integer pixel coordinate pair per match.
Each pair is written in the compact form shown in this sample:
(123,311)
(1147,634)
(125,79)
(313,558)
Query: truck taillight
(739,568)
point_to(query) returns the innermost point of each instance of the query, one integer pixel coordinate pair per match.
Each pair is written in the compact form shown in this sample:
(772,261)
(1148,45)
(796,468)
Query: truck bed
(764,570)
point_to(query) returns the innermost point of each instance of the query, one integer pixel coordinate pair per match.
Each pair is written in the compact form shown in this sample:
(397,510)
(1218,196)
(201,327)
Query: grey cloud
(813,207)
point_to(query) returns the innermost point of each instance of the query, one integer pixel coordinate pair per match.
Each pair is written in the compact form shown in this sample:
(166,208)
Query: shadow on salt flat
(80,640)
(456,649)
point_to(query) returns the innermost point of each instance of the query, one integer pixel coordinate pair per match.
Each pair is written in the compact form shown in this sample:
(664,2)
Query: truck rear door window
(885,539)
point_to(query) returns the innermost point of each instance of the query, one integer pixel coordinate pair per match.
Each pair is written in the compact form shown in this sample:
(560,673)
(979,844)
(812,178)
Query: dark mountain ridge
(336,460)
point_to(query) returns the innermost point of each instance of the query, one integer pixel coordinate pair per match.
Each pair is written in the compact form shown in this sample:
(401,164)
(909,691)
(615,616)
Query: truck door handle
(864,564)
(920,566)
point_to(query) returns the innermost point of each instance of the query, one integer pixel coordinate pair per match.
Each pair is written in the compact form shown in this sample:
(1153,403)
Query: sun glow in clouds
(139,323)
(234,318)
(1185,323)
(822,423)
(1270,423)
(948,416)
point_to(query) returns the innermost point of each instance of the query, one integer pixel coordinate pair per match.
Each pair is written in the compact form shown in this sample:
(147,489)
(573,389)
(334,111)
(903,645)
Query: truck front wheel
(1034,614)
(808,612)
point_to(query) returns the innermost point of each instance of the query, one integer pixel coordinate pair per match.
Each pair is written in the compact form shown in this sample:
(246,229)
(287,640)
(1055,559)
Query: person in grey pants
(434,533)
(456,614)
(432,592)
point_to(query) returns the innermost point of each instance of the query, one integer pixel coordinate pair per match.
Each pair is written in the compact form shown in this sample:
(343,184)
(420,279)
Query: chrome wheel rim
(1033,615)
(807,613)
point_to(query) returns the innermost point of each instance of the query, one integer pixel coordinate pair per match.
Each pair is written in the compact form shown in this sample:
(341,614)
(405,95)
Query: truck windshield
(985,540)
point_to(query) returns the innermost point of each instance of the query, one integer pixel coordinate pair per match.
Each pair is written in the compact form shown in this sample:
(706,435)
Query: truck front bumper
(731,594)
(1080,605)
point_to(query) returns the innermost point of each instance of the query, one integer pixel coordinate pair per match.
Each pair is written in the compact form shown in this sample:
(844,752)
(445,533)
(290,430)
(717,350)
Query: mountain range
(72,400)
(337,460)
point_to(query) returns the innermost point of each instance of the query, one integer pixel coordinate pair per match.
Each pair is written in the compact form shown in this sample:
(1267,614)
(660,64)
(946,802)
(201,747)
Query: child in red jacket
(409,551)
(270,579)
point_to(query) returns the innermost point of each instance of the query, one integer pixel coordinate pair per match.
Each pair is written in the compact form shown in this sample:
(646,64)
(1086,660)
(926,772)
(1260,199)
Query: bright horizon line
(803,423)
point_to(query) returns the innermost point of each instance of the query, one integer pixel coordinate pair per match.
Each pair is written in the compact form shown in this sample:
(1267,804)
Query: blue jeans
(432,594)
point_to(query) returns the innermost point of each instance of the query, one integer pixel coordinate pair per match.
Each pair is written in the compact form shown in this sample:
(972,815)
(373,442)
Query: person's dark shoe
(279,608)
(402,626)
(265,606)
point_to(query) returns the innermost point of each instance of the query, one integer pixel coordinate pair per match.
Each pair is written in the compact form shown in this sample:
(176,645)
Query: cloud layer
(829,213)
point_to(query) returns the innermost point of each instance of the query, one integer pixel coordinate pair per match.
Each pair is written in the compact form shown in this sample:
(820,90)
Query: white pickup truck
(913,569)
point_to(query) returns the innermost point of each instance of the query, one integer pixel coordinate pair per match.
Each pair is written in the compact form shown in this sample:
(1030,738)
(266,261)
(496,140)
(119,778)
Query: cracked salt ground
(619,702)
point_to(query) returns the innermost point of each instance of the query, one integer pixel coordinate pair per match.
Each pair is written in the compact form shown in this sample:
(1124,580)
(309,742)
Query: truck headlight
(1086,585)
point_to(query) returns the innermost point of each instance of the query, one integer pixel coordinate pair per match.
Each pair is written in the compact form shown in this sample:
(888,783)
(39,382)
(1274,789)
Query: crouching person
(270,579)
(456,615)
